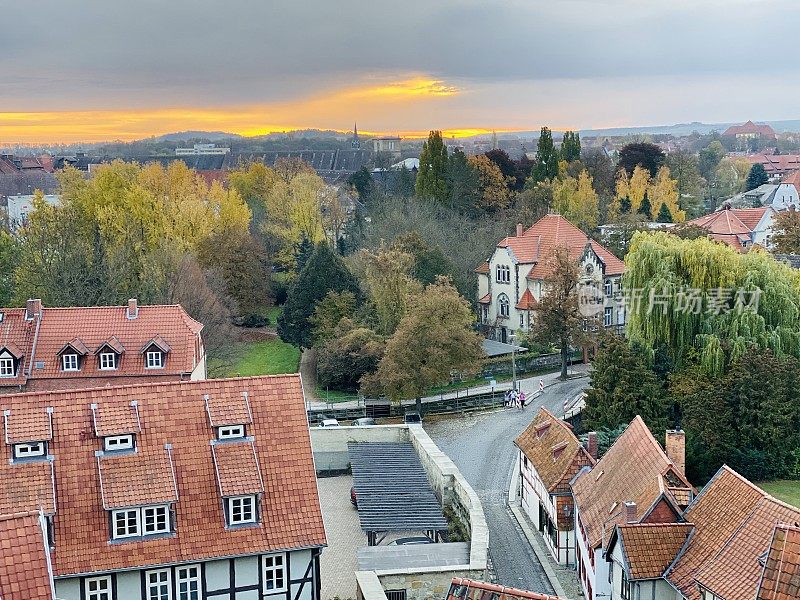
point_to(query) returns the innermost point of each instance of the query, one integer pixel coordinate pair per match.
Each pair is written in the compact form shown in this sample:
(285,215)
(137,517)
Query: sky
(96,70)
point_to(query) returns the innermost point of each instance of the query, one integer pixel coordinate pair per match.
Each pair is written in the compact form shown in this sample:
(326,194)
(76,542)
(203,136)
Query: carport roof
(392,489)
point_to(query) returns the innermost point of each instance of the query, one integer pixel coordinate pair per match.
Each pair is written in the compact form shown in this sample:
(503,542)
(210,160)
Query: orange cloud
(323,111)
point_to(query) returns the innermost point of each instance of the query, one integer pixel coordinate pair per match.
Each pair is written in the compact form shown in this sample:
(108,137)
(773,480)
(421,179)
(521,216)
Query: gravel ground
(481,445)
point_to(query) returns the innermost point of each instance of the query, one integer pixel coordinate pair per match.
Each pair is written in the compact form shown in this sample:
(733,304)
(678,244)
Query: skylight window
(230,432)
(30,450)
(114,443)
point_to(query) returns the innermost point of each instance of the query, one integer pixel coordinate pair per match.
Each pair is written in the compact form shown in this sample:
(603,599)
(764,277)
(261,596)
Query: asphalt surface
(481,445)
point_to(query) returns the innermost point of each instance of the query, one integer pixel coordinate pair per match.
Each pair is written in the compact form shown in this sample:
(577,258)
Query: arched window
(503,306)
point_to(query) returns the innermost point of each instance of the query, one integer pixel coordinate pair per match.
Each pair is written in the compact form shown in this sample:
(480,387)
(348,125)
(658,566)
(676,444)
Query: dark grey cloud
(115,54)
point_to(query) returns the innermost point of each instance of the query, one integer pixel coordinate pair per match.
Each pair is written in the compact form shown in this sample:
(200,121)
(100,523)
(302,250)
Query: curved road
(482,446)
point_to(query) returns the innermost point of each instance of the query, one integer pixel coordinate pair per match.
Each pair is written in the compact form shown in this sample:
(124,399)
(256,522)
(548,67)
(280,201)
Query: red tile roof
(237,469)
(88,329)
(781,577)
(228,410)
(540,443)
(649,548)
(487,299)
(776,164)
(137,478)
(732,226)
(538,242)
(27,425)
(634,469)
(115,419)
(24,559)
(793,178)
(27,486)
(483,268)
(750,128)
(527,301)
(171,413)
(468,589)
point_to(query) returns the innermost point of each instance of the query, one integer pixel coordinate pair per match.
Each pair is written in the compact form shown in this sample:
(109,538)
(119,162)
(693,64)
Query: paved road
(481,445)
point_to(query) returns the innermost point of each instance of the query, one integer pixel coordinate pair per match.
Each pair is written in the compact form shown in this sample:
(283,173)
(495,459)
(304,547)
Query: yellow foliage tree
(494,193)
(664,190)
(576,200)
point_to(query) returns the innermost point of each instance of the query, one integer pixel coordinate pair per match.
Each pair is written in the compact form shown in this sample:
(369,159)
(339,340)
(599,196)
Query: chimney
(519,229)
(630,512)
(33,308)
(591,444)
(133,308)
(676,449)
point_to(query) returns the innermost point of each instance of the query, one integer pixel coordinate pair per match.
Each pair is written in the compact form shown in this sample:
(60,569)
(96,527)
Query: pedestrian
(541,386)
(522,399)
(507,399)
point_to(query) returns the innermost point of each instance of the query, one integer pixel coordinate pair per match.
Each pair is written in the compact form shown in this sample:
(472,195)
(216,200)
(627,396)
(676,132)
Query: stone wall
(329,444)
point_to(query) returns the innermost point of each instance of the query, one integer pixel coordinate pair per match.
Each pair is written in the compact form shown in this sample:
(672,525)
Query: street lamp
(512,337)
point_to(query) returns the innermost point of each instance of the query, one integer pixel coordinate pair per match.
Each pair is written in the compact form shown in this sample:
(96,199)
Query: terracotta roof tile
(137,478)
(26,425)
(483,268)
(750,128)
(158,342)
(487,299)
(237,468)
(468,589)
(776,163)
(781,577)
(16,335)
(527,301)
(538,443)
(228,410)
(115,419)
(175,413)
(631,471)
(24,560)
(649,548)
(77,345)
(27,486)
(793,178)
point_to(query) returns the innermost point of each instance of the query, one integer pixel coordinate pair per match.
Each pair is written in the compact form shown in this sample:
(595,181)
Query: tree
(641,154)
(664,214)
(663,190)
(600,169)
(623,386)
(689,184)
(8,264)
(463,183)
(493,194)
(432,175)
(507,167)
(576,200)
(387,275)
(709,159)
(435,338)
(756,177)
(645,209)
(348,356)
(429,260)
(546,165)
(334,307)
(633,188)
(570,146)
(533,202)
(362,181)
(730,177)
(253,183)
(558,317)
(786,232)
(324,272)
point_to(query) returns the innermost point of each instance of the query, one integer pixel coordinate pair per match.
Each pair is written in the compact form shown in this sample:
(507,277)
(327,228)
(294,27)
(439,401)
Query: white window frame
(188,582)
(609,288)
(98,588)
(608,316)
(154,364)
(230,432)
(6,367)
(30,449)
(114,443)
(69,362)
(503,274)
(158,584)
(503,306)
(104,362)
(130,528)
(522,319)
(238,505)
(274,570)
(159,517)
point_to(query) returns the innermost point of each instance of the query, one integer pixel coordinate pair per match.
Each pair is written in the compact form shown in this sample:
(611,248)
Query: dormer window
(140,521)
(29,450)
(108,361)
(241,510)
(155,359)
(116,443)
(230,432)
(7,366)
(69,362)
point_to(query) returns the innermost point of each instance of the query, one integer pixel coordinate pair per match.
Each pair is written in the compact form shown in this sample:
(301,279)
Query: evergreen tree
(644,208)
(571,146)
(546,166)
(625,205)
(362,181)
(405,183)
(432,176)
(756,177)
(324,272)
(664,214)
(463,183)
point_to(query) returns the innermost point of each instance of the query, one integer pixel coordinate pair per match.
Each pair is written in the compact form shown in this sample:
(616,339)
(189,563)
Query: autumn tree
(576,200)
(786,232)
(570,146)
(429,261)
(507,167)
(559,319)
(253,183)
(641,154)
(709,159)
(435,338)
(8,263)
(328,311)
(432,174)
(351,353)
(600,169)
(493,193)
(546,164)
(391,287)
(533,202)
(688,183)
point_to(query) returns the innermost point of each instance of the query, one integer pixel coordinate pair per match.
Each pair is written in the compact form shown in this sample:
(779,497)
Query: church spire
(355,143)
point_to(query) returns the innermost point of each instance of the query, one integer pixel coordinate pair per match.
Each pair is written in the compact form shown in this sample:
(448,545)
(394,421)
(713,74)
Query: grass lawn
(788,491)
(272,314)
(270,357)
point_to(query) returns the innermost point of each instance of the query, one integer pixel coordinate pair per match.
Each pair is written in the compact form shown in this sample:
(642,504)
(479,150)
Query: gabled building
(511,281)
(733,542)
(635,481)
(468,589)
(776,165)
(59,348)
(739,228)
(25,557)
(549,457)
(170,491)
(748,132)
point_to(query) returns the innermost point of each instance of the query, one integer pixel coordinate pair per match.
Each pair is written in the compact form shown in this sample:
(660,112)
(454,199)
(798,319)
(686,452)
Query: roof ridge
(681,524)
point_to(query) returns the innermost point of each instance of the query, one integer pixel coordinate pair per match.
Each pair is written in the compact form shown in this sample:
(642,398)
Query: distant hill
(185,136)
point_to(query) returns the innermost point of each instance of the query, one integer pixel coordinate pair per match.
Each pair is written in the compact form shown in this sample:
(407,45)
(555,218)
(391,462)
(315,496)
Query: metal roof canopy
(392,489)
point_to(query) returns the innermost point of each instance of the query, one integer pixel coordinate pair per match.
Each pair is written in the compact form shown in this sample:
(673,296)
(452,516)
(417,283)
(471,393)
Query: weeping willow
(666,268)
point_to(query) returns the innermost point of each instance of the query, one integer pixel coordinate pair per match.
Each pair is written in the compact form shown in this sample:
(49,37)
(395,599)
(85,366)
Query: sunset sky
(98,70)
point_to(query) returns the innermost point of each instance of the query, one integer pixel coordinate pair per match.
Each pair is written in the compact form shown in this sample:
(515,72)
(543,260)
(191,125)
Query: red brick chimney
(33,309)
(133,308)
(519,229)
(591,444)
(630,512)
(676,449)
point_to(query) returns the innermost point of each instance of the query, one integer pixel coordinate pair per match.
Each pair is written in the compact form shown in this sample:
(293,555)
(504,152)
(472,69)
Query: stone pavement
(339,560)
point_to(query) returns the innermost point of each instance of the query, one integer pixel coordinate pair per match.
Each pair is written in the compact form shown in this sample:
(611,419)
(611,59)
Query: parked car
(364,421)
(411,541)
(412,417)
(353,499)
(329,423)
